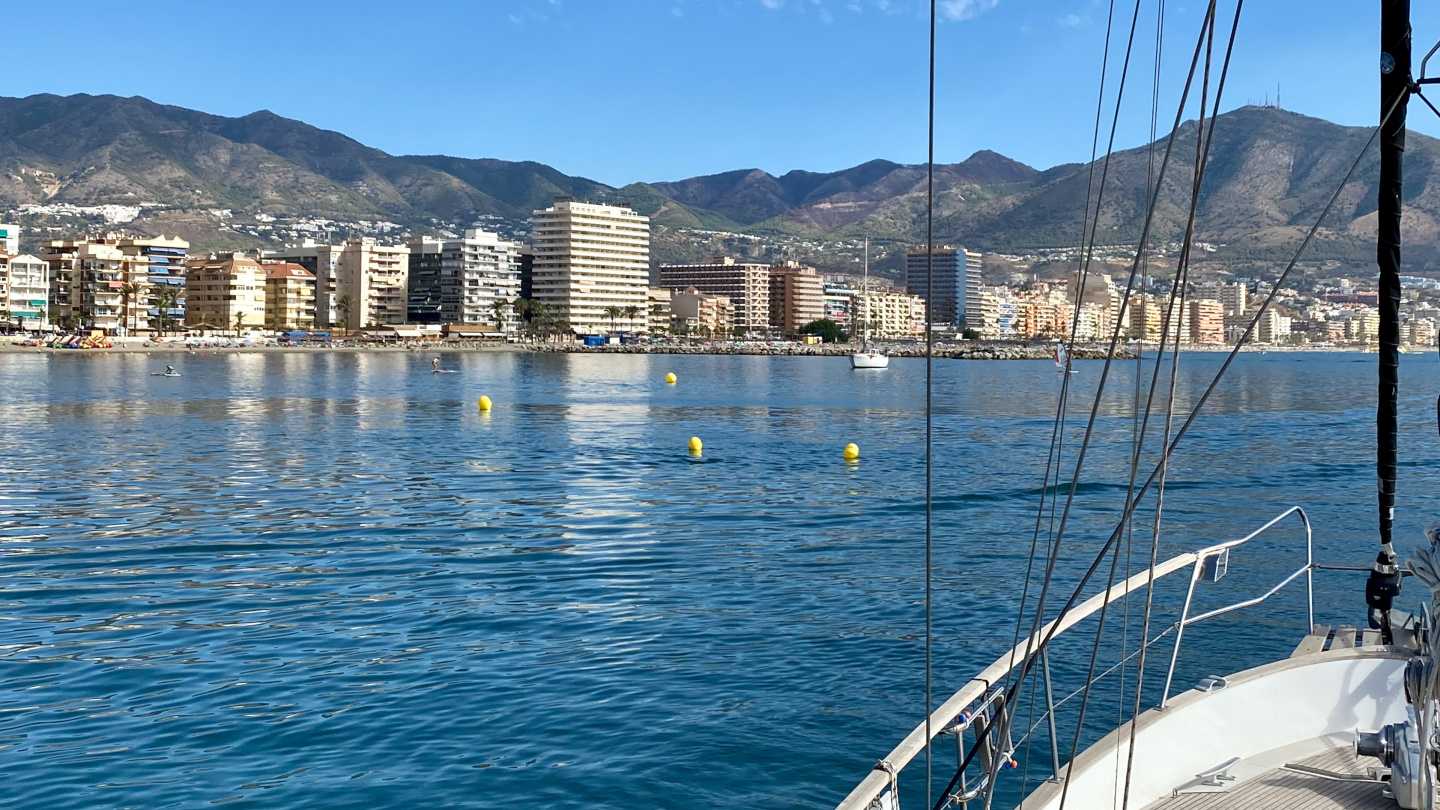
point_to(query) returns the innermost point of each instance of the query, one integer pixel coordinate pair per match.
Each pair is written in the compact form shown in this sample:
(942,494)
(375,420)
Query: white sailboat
(867,357)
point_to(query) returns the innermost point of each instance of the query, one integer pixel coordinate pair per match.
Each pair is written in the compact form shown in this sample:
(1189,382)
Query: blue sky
(626,90)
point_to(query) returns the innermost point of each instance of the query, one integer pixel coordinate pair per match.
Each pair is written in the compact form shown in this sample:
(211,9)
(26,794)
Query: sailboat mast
(865,295)
(1395,82)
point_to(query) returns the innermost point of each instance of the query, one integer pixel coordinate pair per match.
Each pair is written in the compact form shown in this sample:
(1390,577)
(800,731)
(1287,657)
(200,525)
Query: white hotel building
(589,257)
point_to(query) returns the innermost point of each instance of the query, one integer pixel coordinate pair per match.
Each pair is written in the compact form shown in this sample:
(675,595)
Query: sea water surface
(326,580)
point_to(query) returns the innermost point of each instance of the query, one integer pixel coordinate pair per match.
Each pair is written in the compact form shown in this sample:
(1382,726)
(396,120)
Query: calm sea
(327,580)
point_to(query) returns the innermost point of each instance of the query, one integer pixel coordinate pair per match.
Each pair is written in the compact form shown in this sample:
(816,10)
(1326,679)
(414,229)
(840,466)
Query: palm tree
(344,303)
(167,297)
(499,307)
(613,312)
(6,316)
(631,312)
(127,294)
(239,322)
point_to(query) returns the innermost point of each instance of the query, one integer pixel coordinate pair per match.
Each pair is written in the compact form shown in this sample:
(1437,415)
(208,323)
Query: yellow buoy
(852,452)
(670,378)
(695,445)
(484,403)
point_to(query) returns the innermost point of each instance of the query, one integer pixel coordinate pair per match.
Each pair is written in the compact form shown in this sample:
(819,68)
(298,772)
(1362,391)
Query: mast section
(1395,84)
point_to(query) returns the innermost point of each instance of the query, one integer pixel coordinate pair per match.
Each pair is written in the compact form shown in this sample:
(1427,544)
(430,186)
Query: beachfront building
(797,297)
(1044,311)
(839,302)
(746,285)
(9,240)
(150,264)
(1274,327)
(460,280)
(1207,321)
(289,296)
(1151,316)
(696,313)
(87,282)
(371,282)
(1000,313)
(957,282)
(589,258)
(323,262)
(109,282)
(657,301)
(224,294)
(1104,297)
(25,291)
(890,315)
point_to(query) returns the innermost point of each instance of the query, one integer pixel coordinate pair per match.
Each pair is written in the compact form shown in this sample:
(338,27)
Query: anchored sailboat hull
(869,360)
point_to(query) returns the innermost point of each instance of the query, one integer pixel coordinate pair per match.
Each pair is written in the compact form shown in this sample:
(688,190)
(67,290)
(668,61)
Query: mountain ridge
(200,174)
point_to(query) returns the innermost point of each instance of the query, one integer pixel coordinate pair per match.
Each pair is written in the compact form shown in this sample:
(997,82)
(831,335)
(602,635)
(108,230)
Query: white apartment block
(25,290)
(9,239)
(890,315)
(589,257)
(460,280)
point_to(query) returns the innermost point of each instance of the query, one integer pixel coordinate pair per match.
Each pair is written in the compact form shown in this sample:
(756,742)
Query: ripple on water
(327,581)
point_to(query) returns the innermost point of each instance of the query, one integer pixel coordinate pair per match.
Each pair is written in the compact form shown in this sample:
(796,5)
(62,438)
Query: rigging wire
(1032,648)
(1057,437)
(929,387)
(1214,383)
(1172,321)
(1027,662)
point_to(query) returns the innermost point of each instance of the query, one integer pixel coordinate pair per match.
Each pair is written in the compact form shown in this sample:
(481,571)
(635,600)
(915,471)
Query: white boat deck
(1278,737)
(1281,789)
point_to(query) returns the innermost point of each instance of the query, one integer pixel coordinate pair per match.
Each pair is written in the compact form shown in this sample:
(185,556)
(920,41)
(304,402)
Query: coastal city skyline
(586,274)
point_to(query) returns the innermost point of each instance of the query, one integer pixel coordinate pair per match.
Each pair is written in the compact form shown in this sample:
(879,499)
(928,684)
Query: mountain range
(1270,173)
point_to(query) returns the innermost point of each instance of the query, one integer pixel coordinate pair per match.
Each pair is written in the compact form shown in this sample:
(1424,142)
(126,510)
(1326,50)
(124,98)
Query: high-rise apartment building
(1207,321)
(110,282)
(224,294)
(289,296)
(956,288)
(590,257)
(87,280)
(889,315)
(746,285)
(360,283)
(323,262)
(371,284)
(25,290)
(151,264)
(1152,316)
(460,280)
(797,297)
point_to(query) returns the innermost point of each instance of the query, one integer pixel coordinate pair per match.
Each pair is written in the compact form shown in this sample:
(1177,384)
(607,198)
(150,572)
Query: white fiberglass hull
(869,360)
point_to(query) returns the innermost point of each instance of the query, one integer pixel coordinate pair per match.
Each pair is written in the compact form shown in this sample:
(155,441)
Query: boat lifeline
(1349,719)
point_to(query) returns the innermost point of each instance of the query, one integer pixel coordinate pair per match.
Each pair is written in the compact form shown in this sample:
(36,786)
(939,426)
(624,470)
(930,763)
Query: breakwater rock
(965,350)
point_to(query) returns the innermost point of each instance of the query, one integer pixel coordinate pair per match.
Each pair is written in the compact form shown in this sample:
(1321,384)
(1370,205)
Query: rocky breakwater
(964,350)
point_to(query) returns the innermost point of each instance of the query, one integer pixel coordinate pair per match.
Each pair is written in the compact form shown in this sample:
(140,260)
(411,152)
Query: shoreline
(983,350)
